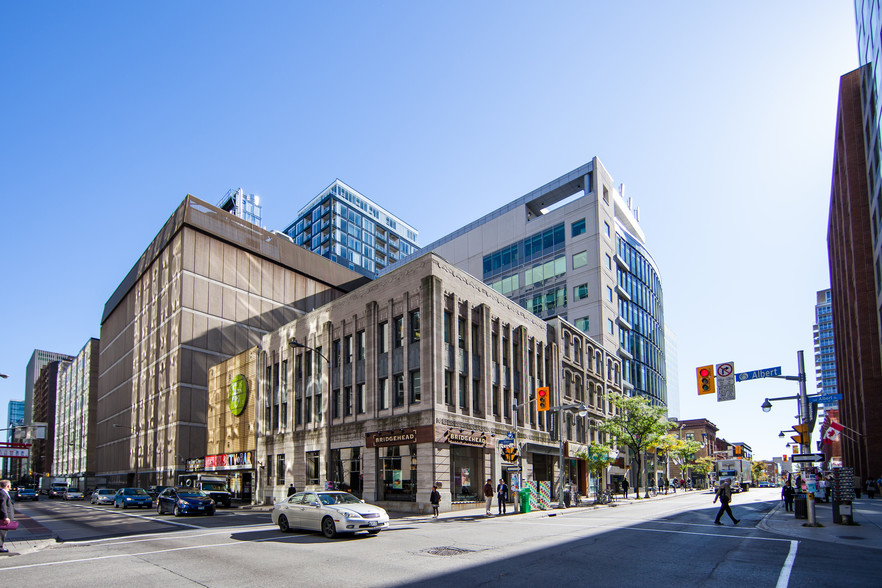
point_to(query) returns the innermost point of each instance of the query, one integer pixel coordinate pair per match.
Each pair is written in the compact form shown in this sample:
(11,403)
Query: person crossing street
(724,493)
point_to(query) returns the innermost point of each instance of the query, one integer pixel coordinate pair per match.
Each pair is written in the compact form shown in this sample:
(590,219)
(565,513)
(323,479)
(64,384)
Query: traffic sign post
(725,381)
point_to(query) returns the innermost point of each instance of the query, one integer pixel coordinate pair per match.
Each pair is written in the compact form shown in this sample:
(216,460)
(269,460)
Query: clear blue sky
(718,117)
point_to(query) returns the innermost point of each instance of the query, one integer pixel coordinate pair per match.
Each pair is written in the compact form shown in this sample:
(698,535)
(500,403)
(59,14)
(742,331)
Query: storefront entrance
(468,473)
(241,486)
(397,472)
(346,469)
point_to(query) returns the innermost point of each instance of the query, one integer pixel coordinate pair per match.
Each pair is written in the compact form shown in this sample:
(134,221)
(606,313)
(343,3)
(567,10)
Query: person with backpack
(435,500)
(724,493)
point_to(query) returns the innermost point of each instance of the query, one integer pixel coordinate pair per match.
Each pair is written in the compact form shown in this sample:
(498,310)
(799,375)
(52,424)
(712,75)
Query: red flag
(832,433)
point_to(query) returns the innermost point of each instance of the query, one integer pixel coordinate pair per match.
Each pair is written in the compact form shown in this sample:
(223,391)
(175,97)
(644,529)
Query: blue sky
(718,117)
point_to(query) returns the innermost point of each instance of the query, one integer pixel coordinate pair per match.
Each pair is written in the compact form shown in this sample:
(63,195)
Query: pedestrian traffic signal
(705,376)
(543,399)
(509,454)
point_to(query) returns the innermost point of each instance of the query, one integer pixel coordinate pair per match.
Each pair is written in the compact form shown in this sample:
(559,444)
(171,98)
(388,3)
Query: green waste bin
(525,499)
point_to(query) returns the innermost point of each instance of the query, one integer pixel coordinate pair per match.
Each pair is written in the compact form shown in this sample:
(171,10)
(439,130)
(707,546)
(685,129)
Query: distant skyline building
(574,248)
(853,288)
(349,228)
(15,418)
(75,417)
(39,358)
(825,350)
(245,206)
(45,395)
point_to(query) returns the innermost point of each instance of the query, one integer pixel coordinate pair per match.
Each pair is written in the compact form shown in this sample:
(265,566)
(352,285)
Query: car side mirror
(314,503)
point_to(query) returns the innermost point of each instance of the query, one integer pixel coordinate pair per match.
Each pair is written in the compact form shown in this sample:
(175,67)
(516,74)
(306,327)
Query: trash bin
(525,499)
(800,506)
(567,498)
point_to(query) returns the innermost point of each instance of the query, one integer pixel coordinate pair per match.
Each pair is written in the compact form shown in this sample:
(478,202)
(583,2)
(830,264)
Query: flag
(832,433)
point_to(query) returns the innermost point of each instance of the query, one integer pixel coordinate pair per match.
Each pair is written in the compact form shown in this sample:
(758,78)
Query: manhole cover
(851,537)
(446,551)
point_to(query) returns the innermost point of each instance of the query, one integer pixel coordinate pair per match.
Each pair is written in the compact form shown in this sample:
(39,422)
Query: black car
(27,494)
(155,491)
(181,501)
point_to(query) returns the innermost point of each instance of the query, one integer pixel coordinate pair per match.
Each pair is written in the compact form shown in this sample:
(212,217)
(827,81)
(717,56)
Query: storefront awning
(543,449)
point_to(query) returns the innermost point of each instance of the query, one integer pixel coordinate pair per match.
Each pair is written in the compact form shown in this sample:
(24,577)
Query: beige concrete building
(209,286)
(411,380)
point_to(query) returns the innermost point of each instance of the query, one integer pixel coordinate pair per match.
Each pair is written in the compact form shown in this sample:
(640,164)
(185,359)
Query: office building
(45,394)
(350,229)
(209,286)
(409,381)
(825,349)
(574,248)
(242,205)
(672,373)
(15,419)
(853,289)
(39,358)
(76,417)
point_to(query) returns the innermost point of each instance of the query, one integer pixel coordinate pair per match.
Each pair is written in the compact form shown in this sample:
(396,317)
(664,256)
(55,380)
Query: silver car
(103,496)
(329,512)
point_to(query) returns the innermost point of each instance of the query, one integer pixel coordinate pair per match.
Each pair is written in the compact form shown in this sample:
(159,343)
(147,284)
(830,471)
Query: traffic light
(509,454)
(543,399)
(705,376)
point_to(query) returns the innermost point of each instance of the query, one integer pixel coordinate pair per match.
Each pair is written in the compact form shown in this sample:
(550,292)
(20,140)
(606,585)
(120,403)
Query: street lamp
(329,469)
(4,376)
(134,432)
(583,412)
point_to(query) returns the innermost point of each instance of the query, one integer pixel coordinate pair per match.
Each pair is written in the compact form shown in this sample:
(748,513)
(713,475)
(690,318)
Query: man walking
(625,487)
(7,511)
(501,495)
(724,493)
(488,495)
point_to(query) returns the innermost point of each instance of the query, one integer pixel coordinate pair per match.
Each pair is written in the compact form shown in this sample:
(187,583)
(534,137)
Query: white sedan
(329,512)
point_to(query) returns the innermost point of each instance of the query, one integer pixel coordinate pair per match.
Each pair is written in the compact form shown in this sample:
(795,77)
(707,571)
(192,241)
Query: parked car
(329,512)
(72,494)
(155,491)
(27,494)
(103,496)
(765,485)
(181,501)
(126,497)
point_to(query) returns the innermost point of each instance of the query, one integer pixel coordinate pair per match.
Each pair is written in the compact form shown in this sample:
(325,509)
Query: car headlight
(351,515)
(129,498)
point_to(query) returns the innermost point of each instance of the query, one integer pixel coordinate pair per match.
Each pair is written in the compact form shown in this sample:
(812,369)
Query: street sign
(505,441)
(825,398)
(725,381)
(766,373)
(808,457)
(510,435)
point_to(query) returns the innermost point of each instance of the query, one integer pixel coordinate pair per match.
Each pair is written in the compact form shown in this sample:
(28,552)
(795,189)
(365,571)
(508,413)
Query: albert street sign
(766,373)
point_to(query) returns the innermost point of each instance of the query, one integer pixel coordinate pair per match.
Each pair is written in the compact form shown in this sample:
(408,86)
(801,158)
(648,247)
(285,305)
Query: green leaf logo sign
(238,395)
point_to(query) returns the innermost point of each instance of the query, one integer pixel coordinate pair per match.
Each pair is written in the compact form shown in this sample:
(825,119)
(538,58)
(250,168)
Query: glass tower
(245,206)
(352,230)
(825,348)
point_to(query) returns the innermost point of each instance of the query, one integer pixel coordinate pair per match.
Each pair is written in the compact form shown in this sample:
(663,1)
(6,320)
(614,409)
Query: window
(580,291)
(582,324)
(298,411)
(448,387)
(606,228)
(398,331)
(609,294)
(383,337)
(448,326)
(347,401)
(476,395)
(463,392)
(606,194)
(335,353)
(608,261)
(269,469)
(280,469)
(609,326)
(580,259)
(335,404)
(398,390)
(383,394)
(347,349)
(312,467)
(415,326)
(359,345)
(359,398)
(308,409)
(318,408)
(460,332)
(577,228)
(415,387)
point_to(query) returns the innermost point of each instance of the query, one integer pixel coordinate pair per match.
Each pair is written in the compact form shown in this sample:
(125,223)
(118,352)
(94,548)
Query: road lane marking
(581,526)
(153,537)
(784,576)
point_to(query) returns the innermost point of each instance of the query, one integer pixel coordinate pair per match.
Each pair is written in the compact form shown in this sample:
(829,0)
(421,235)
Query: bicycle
(604,497)
(653,491)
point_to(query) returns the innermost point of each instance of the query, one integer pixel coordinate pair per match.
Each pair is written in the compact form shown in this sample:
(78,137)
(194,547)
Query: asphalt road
(671,543)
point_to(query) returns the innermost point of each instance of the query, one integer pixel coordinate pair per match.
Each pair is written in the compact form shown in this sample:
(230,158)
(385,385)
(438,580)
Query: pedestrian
(625,487)
(724,493)
(871,488)
(857,487)
(7,511)
(501,495)
(488,496)
(292,490)
(435,499)
(664,484)
(787,495)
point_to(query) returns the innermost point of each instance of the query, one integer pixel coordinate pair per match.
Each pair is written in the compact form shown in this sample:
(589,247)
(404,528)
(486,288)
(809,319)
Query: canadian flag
(832,433)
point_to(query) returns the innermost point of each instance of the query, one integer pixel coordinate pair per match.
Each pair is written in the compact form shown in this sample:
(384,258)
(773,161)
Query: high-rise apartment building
(574,248)
(45,395)
(853,289)
(75,417)
(825,350)
(39,358)
(352,230)
(245,206)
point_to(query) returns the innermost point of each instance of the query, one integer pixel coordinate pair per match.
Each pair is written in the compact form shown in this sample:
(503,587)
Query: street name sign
(505,441)
(725,381)
(803,457)
(825,398)
(766,373)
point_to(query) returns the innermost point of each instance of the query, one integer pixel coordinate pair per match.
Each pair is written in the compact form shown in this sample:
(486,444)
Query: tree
(683,453)
(758,469)
(702,466)
(636,425)
(598,457)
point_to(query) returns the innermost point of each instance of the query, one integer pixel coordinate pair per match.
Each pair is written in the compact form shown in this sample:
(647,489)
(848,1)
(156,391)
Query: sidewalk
(29,537)
(866,533)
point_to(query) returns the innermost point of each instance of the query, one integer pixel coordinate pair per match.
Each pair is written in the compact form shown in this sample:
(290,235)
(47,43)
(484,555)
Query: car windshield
(105,491)
(220,486)
(338,498)
(191,494)
(135,492)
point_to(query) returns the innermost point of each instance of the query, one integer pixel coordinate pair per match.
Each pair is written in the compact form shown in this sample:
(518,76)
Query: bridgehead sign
(238,395)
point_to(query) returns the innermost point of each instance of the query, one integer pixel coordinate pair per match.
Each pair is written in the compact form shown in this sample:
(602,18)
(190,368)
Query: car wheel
(283,524)
(374,532)
(123,506)
(329,529)
(159,509)
(178,511)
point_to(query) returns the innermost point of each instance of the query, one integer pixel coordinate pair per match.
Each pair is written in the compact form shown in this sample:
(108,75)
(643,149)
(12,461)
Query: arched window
(566,344)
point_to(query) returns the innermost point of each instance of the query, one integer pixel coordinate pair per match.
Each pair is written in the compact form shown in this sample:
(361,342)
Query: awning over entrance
(542,449)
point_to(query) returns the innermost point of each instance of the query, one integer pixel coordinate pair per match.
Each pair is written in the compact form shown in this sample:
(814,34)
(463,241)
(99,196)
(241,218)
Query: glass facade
(351,230)
(825,350)
(242,205)
(641,320)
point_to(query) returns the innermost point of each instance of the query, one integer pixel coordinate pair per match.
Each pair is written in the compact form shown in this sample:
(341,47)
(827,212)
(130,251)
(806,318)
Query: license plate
(201,508)
(373,523)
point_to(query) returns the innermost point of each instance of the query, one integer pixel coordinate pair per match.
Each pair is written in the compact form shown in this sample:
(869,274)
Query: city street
(671,540)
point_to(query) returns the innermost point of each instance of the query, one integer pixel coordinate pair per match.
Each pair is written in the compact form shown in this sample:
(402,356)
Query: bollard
(810,507)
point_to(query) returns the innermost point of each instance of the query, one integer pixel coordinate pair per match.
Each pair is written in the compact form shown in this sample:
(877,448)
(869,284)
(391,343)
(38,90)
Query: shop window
(312,468)
(346,469)
(467,473)
(397,470)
